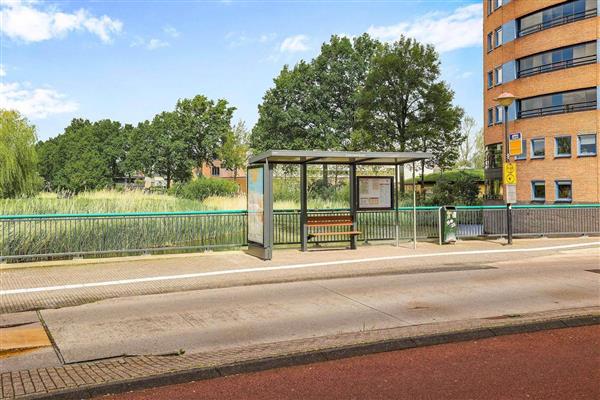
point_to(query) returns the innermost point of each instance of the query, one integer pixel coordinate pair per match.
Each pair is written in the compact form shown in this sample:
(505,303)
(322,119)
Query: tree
(234,151)
(18,157)
(461,189)
(468,151)
(478,159)
(313,105)
(404,106)
(205,123)
(167,148)
(86,156)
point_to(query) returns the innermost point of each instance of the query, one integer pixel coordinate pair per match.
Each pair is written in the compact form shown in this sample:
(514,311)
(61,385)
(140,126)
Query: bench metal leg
(304,239)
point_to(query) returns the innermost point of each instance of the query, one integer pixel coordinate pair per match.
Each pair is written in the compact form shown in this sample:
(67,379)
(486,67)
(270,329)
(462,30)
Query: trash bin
(448,224)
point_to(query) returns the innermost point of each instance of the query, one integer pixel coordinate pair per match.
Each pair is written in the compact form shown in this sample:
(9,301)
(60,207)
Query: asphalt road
(557,364)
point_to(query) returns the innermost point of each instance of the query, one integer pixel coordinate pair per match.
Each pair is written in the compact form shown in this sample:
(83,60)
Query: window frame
(498,73)
(559,182)
(534,183)
(532,156)
(490,116)
(579,153)
(564,155)
(213,169)
(490,42)
(498,111)
(490,79)
(498,34)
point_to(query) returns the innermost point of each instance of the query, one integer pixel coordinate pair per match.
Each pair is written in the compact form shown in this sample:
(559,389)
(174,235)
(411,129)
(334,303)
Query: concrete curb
(327,354)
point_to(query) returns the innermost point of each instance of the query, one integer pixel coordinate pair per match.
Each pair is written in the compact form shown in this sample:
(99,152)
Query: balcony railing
(561,109)
(558,21)
(574,62)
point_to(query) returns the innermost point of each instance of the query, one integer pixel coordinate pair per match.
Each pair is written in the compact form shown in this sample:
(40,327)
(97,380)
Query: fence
(26,237)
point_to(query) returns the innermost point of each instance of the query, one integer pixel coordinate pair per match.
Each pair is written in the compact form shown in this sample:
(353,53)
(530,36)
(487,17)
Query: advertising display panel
(256,204)
(375,192)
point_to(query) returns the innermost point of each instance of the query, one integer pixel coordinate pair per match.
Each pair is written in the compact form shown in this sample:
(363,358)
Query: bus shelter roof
(337,157)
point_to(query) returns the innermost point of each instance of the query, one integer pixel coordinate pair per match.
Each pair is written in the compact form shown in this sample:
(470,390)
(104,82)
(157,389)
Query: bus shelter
(366,192)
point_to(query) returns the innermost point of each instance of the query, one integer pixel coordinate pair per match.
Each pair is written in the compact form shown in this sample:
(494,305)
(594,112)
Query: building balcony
(559,65)
(558,21)
(558,109)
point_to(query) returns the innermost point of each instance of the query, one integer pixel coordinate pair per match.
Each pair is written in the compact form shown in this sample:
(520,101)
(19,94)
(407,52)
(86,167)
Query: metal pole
(397,215)
(353,203)
(414,207)
(507,152)
(303,208)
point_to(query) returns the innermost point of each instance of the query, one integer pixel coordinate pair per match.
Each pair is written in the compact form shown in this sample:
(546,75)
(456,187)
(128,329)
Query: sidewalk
(73,284)
(96,378)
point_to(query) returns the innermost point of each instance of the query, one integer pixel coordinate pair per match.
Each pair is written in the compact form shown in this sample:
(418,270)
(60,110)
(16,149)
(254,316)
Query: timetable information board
(375,192)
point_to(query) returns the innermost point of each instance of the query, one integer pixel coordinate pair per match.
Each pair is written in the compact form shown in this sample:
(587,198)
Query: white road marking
(285,267)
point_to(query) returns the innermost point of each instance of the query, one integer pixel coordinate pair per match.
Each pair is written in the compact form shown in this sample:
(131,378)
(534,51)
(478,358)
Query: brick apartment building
(545,52)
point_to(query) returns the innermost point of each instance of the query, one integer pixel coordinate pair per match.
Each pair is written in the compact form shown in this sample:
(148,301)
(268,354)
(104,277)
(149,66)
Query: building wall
(584,172)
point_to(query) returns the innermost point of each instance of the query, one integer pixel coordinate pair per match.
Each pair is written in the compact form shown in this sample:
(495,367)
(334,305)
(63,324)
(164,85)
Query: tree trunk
(325,175)
(402,188)
(168,179)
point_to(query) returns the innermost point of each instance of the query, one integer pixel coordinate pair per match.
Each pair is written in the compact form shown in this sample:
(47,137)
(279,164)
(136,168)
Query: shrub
(460,189)
(201,188)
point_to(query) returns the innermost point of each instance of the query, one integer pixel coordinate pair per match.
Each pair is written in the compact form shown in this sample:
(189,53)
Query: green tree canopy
(313,105)
(234,151)
(205,123)
(18,157)
(404,105)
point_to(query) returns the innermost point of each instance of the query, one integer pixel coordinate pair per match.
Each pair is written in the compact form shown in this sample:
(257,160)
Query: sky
(128,60)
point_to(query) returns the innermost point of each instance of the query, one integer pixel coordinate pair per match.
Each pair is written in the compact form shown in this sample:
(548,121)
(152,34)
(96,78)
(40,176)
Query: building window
(490,79)
(558,15)
(523,155)
(498,75)
(215,171)
(558,103)
(562,146)
(538,148)
(490,116)
(566,57)
(498,37)
(490,43)
(489,7)
(538,191)
(564,191)
(586,145)
(493,156)
(499,114)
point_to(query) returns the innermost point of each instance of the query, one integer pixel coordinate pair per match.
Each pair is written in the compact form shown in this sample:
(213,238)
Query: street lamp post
(505,100)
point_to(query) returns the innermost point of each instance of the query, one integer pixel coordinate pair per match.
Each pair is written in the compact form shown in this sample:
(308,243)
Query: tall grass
(110,201)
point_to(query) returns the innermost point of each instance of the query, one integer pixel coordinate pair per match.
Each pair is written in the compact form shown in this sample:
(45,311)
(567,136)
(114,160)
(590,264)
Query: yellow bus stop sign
(510,173)
(515,144)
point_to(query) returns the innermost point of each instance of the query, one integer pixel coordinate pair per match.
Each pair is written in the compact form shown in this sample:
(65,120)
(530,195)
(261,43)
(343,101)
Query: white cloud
(34,103)
(23,21)
(151,44)
(446,32)
(171,31)
(237,39)
(294,44)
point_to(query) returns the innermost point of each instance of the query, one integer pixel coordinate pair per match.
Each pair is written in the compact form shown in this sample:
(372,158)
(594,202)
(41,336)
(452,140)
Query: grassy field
(108,201)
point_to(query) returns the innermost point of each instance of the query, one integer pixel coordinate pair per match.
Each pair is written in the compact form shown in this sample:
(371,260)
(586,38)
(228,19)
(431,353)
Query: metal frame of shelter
(260,172)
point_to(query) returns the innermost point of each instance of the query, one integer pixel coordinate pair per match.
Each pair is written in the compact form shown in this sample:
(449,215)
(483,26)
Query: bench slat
(331,224)
(335,233)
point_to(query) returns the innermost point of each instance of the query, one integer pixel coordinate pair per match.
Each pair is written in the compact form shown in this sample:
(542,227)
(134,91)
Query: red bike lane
(554,364)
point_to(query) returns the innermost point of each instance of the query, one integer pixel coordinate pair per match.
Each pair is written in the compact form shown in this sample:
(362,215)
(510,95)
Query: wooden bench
(329,221)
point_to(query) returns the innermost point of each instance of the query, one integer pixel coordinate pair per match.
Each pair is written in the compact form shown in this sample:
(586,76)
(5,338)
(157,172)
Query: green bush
(201,188)
(461,189)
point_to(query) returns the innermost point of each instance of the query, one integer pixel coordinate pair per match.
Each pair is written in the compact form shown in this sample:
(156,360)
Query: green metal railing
(26,237)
